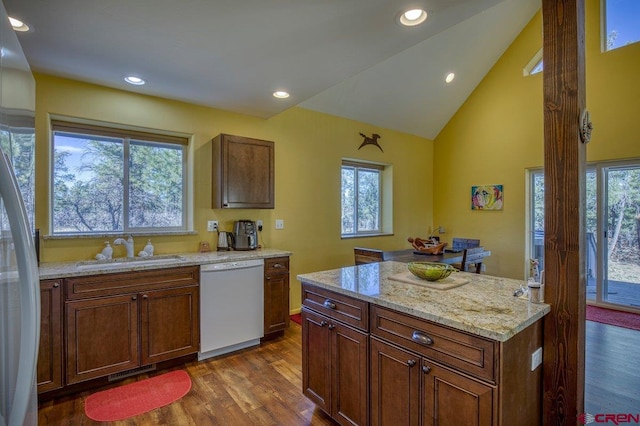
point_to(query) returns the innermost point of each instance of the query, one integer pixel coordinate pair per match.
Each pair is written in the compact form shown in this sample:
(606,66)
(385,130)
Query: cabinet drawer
(276,265)
(130,282)
(471,354)
(336,306)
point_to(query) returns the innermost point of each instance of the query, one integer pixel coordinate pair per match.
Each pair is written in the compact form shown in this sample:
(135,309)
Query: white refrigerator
(19,306)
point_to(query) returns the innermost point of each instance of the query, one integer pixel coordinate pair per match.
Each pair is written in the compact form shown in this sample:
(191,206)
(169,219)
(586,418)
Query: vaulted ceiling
(349,58)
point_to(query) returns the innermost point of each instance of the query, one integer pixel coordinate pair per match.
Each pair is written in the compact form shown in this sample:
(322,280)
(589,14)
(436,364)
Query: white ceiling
(349,58)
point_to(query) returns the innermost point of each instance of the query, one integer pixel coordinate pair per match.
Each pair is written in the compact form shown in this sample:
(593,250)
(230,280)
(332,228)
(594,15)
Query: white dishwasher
(231,306)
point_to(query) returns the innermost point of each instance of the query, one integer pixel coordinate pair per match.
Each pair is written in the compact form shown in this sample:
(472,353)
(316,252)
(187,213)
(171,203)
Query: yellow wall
(498,133)
(309,149)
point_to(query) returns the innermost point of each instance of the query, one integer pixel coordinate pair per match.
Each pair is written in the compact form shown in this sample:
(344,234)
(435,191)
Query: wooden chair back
(463,243)
(367,255)
(472,256)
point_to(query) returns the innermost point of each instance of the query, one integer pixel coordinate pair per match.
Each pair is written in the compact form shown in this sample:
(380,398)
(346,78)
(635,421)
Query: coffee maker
(245,235)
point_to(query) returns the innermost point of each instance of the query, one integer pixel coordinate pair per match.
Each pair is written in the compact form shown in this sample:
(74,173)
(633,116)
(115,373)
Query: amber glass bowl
(430,271)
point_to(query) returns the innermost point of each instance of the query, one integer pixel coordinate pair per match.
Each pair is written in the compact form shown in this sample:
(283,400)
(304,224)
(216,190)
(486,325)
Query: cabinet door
(276,302)
(395,385)
(450,398)
(170,324)
(243,173)
(349,376)
(102,337)
(316,359)
(50,350)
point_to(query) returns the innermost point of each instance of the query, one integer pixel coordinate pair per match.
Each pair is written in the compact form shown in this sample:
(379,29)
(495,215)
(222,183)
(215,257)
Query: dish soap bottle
(149,248)
(107,251)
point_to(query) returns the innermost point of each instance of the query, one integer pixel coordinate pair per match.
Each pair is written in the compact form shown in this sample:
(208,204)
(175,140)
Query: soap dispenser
(107,251)
(149,248)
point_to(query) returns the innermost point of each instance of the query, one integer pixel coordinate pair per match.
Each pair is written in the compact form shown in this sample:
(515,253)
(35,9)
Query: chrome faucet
(128,244)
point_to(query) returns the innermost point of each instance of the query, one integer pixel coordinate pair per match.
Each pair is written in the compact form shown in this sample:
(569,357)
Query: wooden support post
(564,162)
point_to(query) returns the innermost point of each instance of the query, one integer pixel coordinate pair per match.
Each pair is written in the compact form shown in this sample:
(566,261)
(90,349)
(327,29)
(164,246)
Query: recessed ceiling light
(280,94)
(413,17)
(449,78)
(136,81)
(18,25)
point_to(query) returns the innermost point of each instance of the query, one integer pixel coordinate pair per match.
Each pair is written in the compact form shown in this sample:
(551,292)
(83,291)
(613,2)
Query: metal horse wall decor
(373,140)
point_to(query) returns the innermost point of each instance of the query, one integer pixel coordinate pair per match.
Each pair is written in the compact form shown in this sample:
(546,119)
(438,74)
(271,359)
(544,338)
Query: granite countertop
(54,270)
(485,306)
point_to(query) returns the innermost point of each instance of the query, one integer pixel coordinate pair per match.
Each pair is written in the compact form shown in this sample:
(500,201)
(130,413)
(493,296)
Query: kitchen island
(380,351)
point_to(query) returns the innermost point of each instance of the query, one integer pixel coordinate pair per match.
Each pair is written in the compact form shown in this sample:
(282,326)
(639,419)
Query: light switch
(279,224)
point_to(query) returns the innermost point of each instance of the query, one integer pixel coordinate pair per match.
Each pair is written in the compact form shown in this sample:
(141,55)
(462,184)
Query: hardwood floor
(259,386)
(612,369)
(262,386)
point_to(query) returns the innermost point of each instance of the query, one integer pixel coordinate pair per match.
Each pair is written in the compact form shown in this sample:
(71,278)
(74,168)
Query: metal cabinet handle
(411,362)
(145,296)
(332,326)
(323,323)
(56,285)
(426,369)
(278,265)
(329,304)
(422,338)
(134,298)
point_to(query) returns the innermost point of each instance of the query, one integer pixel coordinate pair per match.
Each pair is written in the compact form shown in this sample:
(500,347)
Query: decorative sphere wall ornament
(586,127)
(373,140)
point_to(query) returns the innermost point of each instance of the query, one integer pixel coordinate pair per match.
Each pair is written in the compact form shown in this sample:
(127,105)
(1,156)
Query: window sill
(381,234)
(117,234)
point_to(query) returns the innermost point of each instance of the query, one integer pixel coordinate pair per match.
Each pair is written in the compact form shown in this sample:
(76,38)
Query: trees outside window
(19,144)
(105,184)
(361,198)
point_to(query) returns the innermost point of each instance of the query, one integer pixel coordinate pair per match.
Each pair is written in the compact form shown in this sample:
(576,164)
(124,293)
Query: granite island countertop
(53,270)
(485,306)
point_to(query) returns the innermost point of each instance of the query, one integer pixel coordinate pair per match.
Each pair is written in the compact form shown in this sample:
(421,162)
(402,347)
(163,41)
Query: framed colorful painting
(487,197)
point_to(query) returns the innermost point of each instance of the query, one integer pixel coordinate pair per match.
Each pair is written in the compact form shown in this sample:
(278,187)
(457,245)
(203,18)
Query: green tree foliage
(19,144)
(90,197)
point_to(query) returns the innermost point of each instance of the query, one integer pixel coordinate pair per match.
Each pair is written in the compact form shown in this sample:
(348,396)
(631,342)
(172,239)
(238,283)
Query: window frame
(380,169)
(128,136)
(604,34)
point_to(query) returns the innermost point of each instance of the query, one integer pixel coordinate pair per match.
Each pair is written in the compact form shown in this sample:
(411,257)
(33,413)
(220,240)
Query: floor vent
(132,372)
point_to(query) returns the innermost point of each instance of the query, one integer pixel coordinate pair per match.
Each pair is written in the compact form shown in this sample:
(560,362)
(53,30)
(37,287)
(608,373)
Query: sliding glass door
(621,236)
(612,231)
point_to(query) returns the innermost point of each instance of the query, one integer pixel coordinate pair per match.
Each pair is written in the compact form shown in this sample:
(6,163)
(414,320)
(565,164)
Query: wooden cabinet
(419,372)
(409,389)
(242,173)
(117,322)
(335,362)
(50,350)
(276,295)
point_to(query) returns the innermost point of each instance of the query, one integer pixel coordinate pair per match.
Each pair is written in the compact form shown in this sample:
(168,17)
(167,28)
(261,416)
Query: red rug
(129,400)
(297,318)
(613,317)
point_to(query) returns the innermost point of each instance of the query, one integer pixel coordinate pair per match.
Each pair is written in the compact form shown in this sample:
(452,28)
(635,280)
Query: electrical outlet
(259,225)
(441,229)
(279,224)
(536,358)
(212,225)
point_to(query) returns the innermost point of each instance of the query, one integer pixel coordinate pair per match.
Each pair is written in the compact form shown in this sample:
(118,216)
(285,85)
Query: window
(18,141)
(111,180)
(620,23)
(535,65)
(361,198)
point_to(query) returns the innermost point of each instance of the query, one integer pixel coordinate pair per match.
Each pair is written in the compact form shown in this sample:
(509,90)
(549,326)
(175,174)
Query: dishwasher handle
(230,265)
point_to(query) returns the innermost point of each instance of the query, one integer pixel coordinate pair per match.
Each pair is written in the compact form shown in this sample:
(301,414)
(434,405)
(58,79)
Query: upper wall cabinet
(243,173)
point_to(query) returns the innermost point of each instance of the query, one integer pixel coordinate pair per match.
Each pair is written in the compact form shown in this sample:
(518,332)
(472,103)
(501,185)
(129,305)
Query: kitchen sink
(126,262)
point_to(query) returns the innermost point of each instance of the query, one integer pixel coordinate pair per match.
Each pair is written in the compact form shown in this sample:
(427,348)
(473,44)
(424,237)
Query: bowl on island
(430,271)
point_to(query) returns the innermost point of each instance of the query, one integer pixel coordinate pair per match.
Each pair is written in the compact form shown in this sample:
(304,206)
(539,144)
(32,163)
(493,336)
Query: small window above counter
(242,173)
